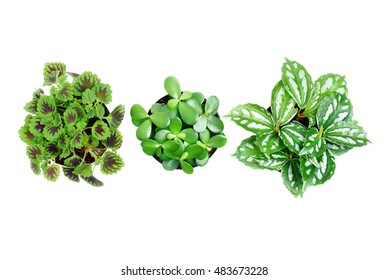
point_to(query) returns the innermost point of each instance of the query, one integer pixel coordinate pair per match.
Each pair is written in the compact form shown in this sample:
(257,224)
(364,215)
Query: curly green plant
(182,130)
(307,124)
(70,127)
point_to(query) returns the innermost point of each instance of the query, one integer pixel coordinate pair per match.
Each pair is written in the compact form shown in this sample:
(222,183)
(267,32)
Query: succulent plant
(181,130)
(69,126)
(307,124)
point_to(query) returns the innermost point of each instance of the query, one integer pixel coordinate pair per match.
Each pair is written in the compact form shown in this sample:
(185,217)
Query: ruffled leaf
(84,170)
(35,167)
(114,141)
(117,116)
(51,150)
(25,135)
(70,116)
(332,109)
(253,118)
(293,136)
(282,105)
(35,126)
(73,161)
(52,71)
(100,111)
(86,80)
(297,82)
(46,105)
(313,175)
(88,96)
(292,178)
(347,134)
(77,140)
(65,92)
(69,173)
(103,93)
(34,152)
(32,106)
(93,181)
(52,172)
(111,163)
(100,130)
(51,132)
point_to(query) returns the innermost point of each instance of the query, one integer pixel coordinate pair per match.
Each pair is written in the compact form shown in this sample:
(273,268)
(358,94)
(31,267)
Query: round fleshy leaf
(160,119)
(186,95)
(161,135)
(175,125)
(100,130)
(149,146)
(195,104)
(204,136)
(202,162)
(215,124)
(217,141)
(111,163)
(172,86)
(186,167)
(144,130)
(211,105)
(189,114)
(157,107)
(201,124)
(172,103)
(193,151)
(170,164)
(188,135)
(138,112)
(170,146)
(198,96)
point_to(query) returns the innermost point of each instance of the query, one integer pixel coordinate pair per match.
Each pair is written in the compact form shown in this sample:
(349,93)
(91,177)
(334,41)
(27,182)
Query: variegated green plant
(69,126)
(307,124)
(182,130)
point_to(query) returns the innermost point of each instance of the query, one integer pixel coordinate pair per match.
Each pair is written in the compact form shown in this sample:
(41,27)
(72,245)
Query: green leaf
(114,141)
(185,95)
(332,109)
(93,181)
(160,119)
(297,82)
(117,116)
(69,173)
(270,143)
(170,164)
(211,105)
(52,172)
(138,112)
(175,125)
(215,124)
(193,151)
(253,118)
(201,124)
(88,96)
(111,163)
(34,152)
(70,116)
(189,114)
(318,175)
(195,104)
(149,146)
(315,145)
(86,80)
(204,161)
(188,135)
(103,93)
(248,152)
(46,105)
(172,86)
(100,111)
(172,103)
(217,141)
(161,135)
(51,132)
(331,83)
(73,161)
(198,97)
(100,130)
(156,107)
(293,136)
(144,130)
(186,167)
(84,170)
(176,150)
(26,136)
(292,178)
(171,146)
(35,167)
(282,105)
(205,136)
(77,140)
(52,71)
(347,134)
(172,112)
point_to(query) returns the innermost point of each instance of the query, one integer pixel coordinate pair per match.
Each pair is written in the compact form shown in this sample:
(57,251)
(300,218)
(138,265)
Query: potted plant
(306,126)
(70,127)
(182,130)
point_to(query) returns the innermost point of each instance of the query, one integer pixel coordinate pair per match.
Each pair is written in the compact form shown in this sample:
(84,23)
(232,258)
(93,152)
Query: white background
(225,214)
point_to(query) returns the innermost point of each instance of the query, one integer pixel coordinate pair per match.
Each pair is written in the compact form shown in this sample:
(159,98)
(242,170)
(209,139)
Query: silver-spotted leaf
(347,134)
(318,175)
(292,178)
(315,145)
(111,163)
(331,83)
(297,82)
(333,108)
(270,143)
(293,136)
(253,118)
(282,105)
(337,150)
